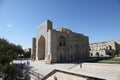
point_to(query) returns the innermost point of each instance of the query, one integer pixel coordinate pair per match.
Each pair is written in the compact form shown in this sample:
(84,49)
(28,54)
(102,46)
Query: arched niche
(41,48)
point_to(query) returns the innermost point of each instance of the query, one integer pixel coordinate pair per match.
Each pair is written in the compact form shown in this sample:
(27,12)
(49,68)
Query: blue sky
(98,19)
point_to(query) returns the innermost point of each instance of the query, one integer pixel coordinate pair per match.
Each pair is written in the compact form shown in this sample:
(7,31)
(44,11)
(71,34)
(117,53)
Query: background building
(103,48)
(60,45)
(27,50)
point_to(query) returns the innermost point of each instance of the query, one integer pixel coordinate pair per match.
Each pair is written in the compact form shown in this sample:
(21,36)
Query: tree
(114,53)
(9,72)
(117,53)
(91,54)
(19,50)
(4,51)
(97,54)
(27,54)
(8,52)
(5,59)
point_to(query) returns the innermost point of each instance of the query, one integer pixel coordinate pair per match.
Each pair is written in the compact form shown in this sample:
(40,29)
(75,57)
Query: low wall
(103,67)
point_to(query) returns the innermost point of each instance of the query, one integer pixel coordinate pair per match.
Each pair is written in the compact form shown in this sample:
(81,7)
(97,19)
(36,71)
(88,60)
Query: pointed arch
(41,48)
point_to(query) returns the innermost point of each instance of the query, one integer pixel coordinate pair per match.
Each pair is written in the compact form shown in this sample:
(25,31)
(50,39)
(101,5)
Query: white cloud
(9,26)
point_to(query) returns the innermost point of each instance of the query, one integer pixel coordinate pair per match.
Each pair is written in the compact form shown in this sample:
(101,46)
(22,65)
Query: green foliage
(5,59)
(97,54)
(0,68)
(27,54)
(117,53)
(8,51)
(111,61)
(114,53)
(91,54)
(9,72)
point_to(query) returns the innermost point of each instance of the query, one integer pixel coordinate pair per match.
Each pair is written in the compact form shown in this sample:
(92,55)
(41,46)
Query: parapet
(63,29)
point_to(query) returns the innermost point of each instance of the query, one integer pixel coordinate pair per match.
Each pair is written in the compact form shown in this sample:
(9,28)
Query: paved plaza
(105,71)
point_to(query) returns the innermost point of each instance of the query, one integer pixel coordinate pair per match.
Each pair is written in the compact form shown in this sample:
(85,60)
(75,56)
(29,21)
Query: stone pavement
(105,71)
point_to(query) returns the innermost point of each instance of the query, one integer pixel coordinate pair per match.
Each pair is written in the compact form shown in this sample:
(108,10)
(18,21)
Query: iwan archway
(41,48)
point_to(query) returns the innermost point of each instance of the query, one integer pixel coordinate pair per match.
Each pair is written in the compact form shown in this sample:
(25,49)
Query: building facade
(102,48)
(59,45)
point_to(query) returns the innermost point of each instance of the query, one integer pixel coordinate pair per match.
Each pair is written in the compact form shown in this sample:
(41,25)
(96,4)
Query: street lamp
(81,60)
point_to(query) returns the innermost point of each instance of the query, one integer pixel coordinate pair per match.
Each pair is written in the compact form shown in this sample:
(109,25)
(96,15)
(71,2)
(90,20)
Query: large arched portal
(41,48)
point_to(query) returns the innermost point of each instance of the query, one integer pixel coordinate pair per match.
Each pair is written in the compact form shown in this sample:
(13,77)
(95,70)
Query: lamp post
(81,60)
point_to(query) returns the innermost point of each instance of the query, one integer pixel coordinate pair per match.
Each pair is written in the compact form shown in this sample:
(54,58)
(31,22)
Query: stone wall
(102,67)
(60,45)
